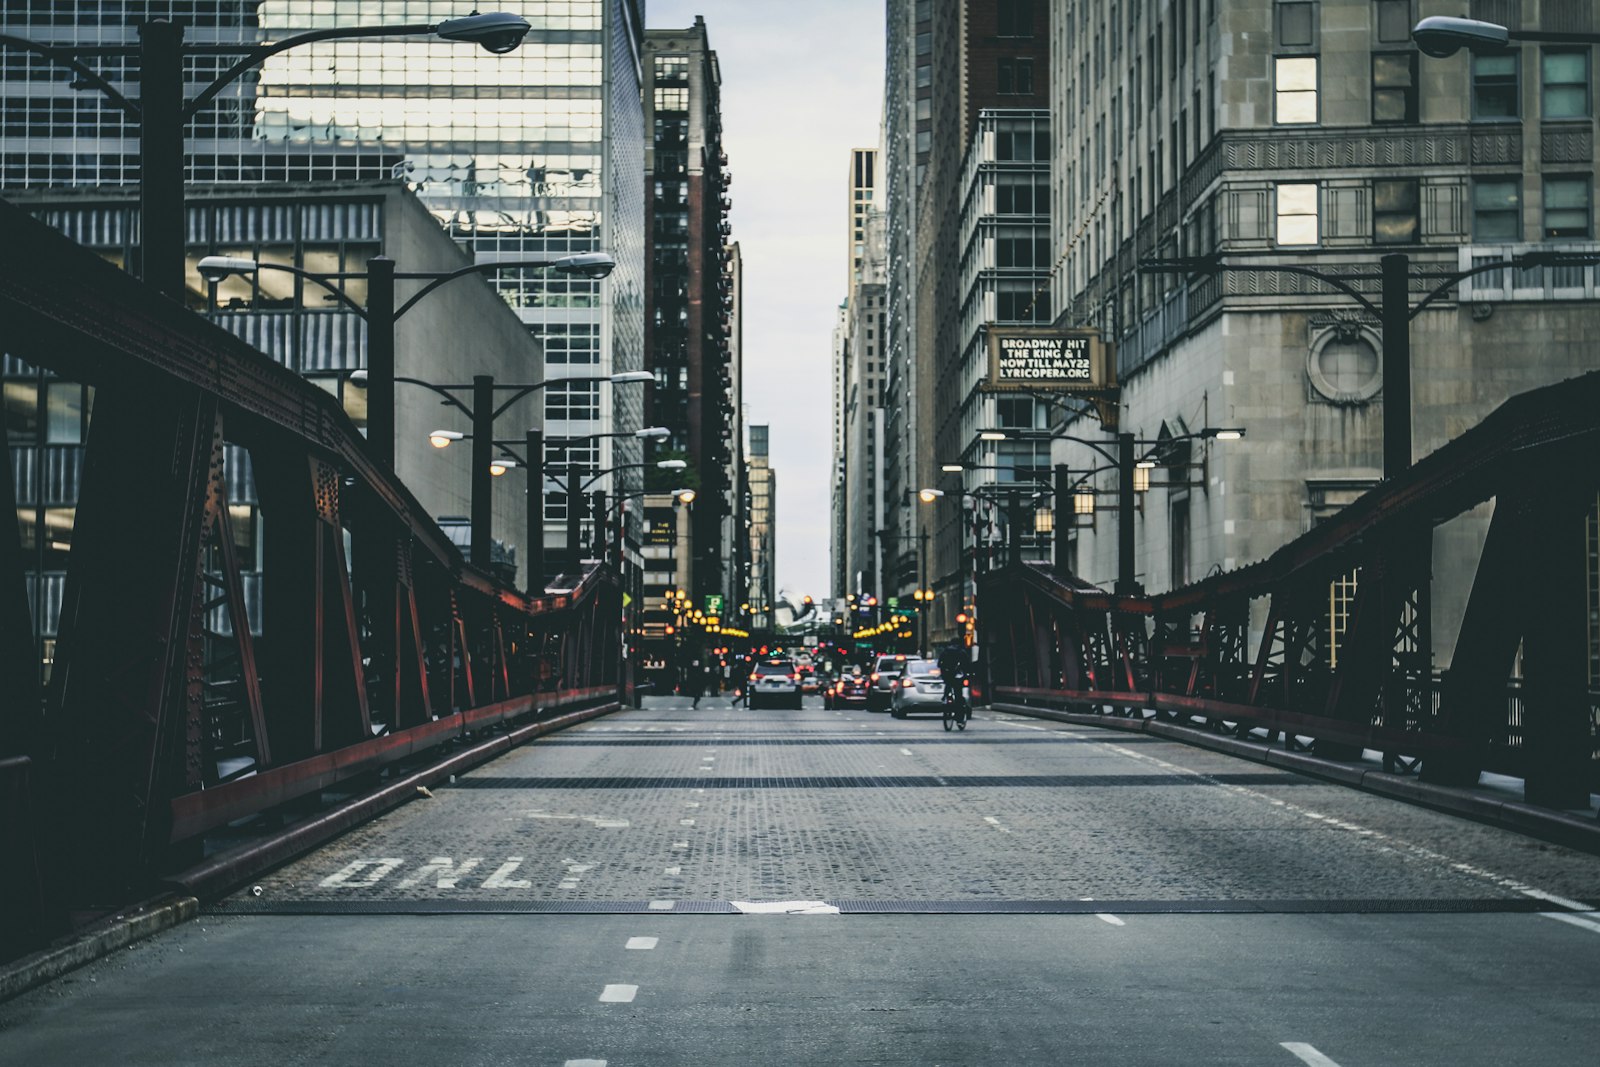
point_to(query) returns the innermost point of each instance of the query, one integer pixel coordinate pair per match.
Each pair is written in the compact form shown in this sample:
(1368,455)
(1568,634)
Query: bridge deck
(1235,908)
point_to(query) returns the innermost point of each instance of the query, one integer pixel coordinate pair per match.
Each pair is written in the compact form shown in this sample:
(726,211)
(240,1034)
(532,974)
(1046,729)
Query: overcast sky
(802,84)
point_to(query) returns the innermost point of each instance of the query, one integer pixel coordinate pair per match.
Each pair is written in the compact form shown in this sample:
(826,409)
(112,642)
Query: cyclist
(953,669)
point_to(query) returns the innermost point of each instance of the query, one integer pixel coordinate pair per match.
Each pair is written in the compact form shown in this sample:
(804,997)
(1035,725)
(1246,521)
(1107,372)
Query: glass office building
(528,155)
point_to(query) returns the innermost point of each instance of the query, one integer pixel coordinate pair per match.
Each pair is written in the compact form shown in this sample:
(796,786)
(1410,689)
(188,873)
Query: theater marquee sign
(1039,359)
(1033,358)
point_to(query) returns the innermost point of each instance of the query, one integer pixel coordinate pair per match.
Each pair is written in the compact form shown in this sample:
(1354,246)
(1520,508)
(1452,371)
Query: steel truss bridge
(169,713)
(1250,649)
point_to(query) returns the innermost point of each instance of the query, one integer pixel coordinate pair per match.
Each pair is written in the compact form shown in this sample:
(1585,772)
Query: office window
(1495,87)
(1394,22)
(1394,87)
(1016,18)
(1295,89)
(1395,217)
(1015,77)
(1497,209)
(672,100)
(1297,214)
(1567,205)
(1297,24)
(1565,80)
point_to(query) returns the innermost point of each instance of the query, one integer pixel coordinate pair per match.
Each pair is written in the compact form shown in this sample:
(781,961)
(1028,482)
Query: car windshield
(891,664)
(776,667)
(922,669)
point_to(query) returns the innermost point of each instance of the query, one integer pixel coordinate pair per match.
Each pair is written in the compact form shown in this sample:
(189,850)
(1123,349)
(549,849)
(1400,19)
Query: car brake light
(908,683)
(753,677)
(794,677)
(874,676)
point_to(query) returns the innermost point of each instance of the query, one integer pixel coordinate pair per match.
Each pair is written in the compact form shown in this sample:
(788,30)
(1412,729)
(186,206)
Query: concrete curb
(1555,826)
(228,869)
(96,942)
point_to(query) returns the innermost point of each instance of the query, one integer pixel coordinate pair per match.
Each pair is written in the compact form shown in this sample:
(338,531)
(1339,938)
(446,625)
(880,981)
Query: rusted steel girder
(1538,457)
(367,654)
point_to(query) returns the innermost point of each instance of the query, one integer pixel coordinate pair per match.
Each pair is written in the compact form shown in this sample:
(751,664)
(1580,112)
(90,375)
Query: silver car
(886,672)
(920,688)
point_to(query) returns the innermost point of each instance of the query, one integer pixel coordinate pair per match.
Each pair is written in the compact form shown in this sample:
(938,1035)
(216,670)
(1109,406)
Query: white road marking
(685,822)
(994,822)
(784,907)
(1563,902)
(599,822)
(642,944)
(584,1063)
(692,804)
(1107,917)
(375,870)
(1584,924)
(663,905)
(501,878)
(1307,1054)
(619,994)
(672,870)
(445,871)
(905,752)
(680,844)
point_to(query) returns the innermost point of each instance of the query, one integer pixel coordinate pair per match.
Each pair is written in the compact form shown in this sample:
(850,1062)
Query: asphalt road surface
(714,885)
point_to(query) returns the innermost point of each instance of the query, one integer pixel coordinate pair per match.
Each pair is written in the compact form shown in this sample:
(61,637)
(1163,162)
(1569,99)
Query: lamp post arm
(1211,266)
(612,470)
(59,55)
(449,397)
(435,280)
(255,55)
(1482,268)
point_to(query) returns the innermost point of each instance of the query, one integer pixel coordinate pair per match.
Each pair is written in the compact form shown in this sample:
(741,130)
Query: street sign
(713,603)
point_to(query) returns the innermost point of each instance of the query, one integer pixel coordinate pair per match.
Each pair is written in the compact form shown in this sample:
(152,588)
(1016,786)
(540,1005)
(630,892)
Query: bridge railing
(177,701)
(1254,648)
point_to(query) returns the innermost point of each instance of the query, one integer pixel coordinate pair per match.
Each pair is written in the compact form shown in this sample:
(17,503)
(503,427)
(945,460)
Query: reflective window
(1295,89)
(1297,214)
(1394,87)
(1395,215)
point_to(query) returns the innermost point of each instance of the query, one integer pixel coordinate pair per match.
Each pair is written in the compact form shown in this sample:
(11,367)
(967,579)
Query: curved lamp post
(162,113)
(381,315)
(1128,463)
(483,412)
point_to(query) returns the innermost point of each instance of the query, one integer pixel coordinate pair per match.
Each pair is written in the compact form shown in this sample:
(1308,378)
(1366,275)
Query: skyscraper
(532,154)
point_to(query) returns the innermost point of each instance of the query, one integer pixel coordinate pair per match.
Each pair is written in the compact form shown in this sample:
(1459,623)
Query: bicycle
(957,709)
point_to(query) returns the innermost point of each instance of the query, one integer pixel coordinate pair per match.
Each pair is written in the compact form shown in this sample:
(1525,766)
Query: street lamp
(1442,35)
(162,113)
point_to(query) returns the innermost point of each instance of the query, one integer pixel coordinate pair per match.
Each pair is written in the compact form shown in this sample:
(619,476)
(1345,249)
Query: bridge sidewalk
(1496,799)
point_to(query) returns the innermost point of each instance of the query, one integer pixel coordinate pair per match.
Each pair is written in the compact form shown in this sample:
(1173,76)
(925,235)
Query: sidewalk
(1496,799)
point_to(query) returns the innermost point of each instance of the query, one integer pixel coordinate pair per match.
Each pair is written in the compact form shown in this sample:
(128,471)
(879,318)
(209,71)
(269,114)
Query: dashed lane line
(618,994)
(642,944)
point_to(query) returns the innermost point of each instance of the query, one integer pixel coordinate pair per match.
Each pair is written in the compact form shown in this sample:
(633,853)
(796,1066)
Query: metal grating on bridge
(807,742)
(908,781)
(1357,906)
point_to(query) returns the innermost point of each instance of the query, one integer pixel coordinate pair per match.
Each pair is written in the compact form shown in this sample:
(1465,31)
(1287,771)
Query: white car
(775,683)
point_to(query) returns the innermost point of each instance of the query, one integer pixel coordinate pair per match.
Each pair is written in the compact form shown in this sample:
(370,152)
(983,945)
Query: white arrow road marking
(1307,1054)
(784,907)
(619,994)
(599,822)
